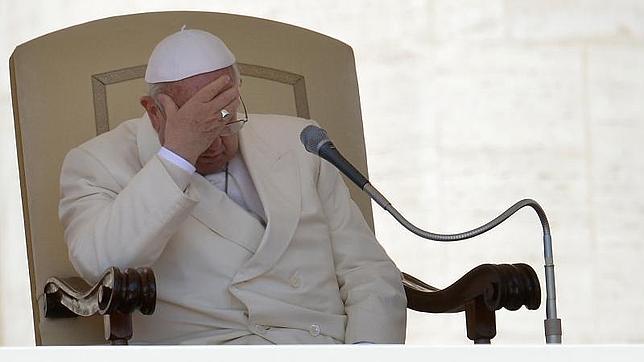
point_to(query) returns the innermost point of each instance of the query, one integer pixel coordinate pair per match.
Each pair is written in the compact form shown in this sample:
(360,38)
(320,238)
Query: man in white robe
(252,239)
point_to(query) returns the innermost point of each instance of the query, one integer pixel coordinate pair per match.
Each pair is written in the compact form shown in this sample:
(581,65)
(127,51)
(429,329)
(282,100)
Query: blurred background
(468,107)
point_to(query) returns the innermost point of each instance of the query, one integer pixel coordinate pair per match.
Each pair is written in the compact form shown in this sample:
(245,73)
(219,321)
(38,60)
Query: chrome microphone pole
(552,324)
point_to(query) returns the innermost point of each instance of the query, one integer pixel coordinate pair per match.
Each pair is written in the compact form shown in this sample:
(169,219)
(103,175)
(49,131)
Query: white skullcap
(186,53)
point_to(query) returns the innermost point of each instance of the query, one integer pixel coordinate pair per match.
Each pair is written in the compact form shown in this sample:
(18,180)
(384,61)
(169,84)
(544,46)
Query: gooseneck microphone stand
(316,141)
(552,324)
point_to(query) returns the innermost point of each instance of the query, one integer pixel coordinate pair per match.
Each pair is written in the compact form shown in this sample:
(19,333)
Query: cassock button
(295,281)
(314,330)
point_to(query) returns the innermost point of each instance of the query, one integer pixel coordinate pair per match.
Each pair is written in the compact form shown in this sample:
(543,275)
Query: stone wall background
(468,106)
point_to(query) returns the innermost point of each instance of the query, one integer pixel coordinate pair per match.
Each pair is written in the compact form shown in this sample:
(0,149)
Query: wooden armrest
(479,293)
(115,296)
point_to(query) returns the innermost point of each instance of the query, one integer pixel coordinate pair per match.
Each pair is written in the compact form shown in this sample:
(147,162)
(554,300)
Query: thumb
(169,107)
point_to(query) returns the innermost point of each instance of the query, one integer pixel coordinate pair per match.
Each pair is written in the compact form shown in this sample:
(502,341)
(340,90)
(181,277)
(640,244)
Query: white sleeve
(110,224)
(177,160)
(179,169)
(370,283)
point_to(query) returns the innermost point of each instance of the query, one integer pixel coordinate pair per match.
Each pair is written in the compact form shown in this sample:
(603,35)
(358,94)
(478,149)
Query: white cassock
(307,271)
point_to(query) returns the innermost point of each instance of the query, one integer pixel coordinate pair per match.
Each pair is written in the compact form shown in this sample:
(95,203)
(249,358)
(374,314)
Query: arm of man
(108,224)
(370,284)
(124,216)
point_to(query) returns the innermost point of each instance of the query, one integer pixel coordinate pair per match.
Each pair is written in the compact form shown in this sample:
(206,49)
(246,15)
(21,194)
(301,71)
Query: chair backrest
(70,85)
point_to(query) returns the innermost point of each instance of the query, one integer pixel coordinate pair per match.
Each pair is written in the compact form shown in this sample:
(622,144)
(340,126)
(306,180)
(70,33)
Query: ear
(153,110)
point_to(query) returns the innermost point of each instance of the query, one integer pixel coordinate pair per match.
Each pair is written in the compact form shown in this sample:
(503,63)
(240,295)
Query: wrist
(181,152)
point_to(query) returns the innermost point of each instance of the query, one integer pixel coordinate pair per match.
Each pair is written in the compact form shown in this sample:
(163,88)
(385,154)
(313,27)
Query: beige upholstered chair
(70,85)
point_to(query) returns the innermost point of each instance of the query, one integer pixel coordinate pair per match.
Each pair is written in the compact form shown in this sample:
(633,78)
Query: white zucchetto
(186,53)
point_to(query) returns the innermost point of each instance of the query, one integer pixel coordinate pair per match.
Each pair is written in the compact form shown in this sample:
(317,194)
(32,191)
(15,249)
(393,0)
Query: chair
(70,85)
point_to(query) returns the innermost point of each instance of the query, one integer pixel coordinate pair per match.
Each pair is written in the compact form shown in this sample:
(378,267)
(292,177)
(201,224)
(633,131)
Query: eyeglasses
(235,126)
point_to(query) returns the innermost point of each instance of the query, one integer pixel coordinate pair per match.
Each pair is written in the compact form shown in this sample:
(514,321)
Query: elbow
(85,264)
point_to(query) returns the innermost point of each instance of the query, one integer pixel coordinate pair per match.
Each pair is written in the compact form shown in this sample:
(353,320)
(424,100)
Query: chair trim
(99,89)
(102,80)
(284,77)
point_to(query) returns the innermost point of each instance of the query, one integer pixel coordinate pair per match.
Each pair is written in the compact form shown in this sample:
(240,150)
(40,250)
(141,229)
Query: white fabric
(313,274)
(186,53)
(241,177)
(179,161)
(240,187)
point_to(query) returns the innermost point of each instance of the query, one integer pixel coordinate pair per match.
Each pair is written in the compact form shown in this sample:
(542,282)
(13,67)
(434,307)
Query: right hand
(191,129)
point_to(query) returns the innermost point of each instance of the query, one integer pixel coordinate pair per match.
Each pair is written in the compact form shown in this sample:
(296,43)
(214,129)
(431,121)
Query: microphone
(316,141)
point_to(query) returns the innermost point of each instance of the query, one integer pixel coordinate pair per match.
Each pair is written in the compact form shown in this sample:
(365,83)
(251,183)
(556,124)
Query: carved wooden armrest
(114,296)
(479,293)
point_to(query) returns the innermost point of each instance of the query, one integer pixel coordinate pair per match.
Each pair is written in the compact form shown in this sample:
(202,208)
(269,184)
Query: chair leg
(480,322)
(118,328)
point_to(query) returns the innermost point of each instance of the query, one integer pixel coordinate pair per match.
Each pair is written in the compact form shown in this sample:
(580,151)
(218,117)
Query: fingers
(210,91)
(222,100)
(216,123)
(229,107)
(169,107)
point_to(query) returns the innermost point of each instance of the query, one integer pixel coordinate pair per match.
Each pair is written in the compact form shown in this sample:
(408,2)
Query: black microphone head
(313,138)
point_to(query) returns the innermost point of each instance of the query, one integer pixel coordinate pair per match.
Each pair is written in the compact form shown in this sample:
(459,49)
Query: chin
(207,170)
(210,165)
